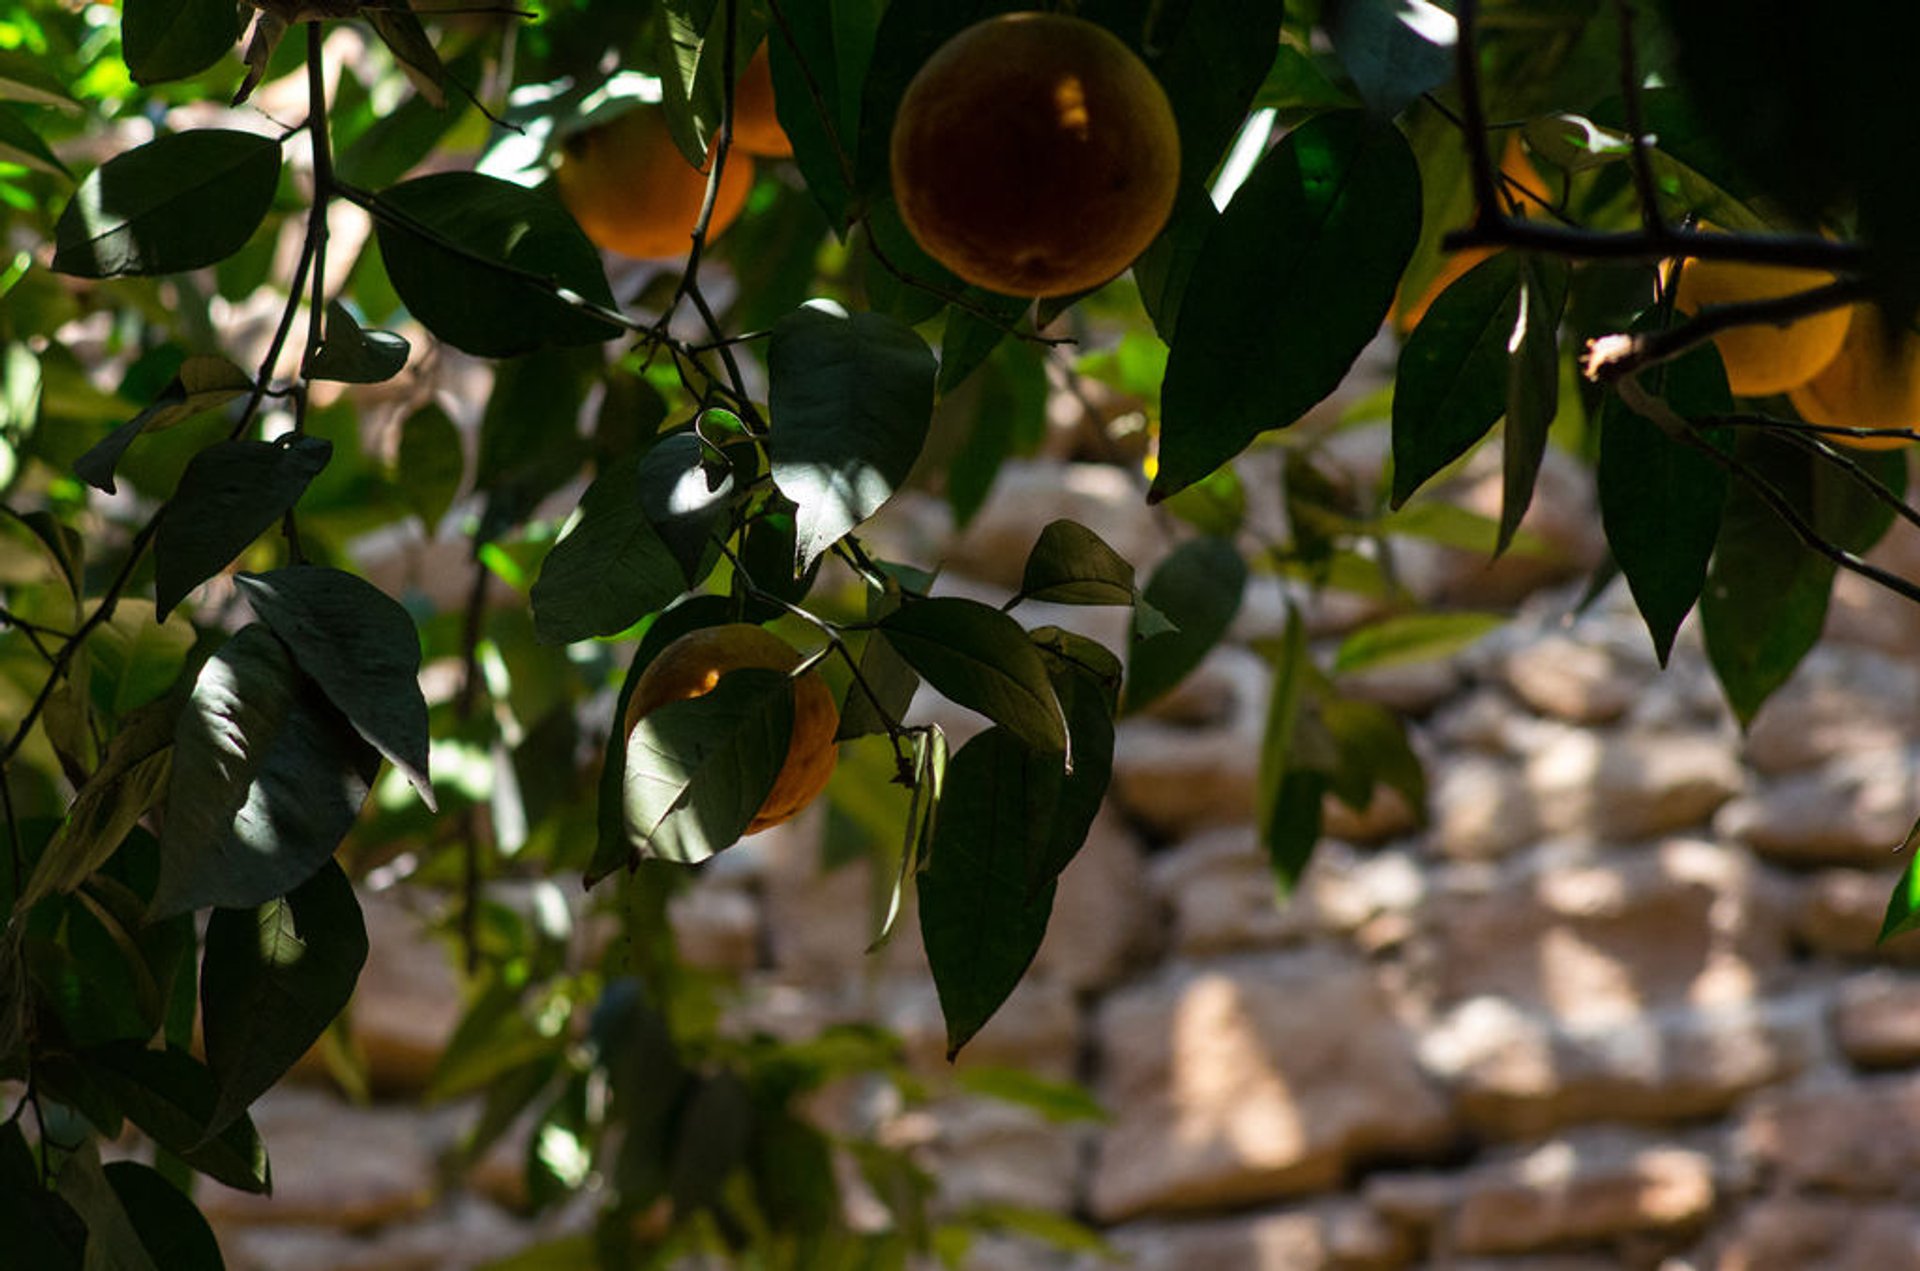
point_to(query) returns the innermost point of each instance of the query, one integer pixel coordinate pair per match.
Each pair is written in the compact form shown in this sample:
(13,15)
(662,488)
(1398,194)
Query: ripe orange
(692,666)
(1763,360)
(1873,382)
(1035,155)
(1516,167)
(756,128)
(634,193)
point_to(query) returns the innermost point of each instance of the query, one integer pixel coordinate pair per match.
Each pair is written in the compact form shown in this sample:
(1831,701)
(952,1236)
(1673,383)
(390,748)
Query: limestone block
(1104,919)
(408,1000)
(1800,1233)
(334,1164)
(467,1234)
(1030,493)
(1517,1074)
(1876,1017)
(716,928)
(1578,678)
(1178,780)
(1335,1236)
(1841,910)
(1586,933)
(1861,1136)
(1037,1028)
(1852,809)
(1482,808)
(1839,702)
(1591,1187)
(1252,1080)
(1628,785)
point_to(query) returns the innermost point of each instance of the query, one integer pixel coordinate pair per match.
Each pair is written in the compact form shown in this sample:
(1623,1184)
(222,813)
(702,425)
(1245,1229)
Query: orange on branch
(1763,360)
(1035,155)
(1519,175)
(633,192)
(692,666)
(756,127)
(1873,382)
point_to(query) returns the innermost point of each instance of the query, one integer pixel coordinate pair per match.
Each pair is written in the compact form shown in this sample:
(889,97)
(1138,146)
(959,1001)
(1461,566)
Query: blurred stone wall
(1618,1005)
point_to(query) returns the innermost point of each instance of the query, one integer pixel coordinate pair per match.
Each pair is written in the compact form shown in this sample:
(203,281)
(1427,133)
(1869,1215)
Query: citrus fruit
(1873,382)
(1763,360)
(756,128)
(633,192)
(1515,167)
(692,666)
(1035,155)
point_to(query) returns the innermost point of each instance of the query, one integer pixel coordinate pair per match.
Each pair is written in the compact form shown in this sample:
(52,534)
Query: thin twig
(1855,470)
(1641,159)
(1473,114)
(1796,251)
(1610,357)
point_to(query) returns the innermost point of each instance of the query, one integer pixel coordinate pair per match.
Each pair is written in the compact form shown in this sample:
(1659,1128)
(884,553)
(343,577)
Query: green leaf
(1765,600)
(267,779)
(613,568)
(1008,400)
(350,355)
(1070,564)
(24,78)
(203,383)
(170,1095)
(1371,749)
(20,144)
(684,494)
(231,493)
(1533,387)
(1452,380)
(1903,905)
(170,1226)
(360,646)
(693,74)
(1292,668)
(1060,1102)
(1392,51)
(431,464)
(271,980)
(496,295)
(128,782)
(1413,637)
(1661,498)
(714,1130)
(43,1231)
(1198,586)
(1211,62)
(891,679)
(979,657)
(407,40)
(136,657)
(697,770)
(831,46)
(980,919)
(611,850)
(171,39)
(1293,826)
(178,202)
(112,1242)
(850,399)
(1296,276)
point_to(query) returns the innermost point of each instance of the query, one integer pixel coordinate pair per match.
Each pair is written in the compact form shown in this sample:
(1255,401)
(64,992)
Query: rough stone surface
(1583,933)
(1178,780)
(1253,1080)
(1517,1074)
(1837,703)
(408,1000)
(1861,1137)
(1799,1233)
(1334,1237)
(1876,1018)
(1482,808)
(1578,678)
(1853,809)
(1029,494)
(1841,911)
(1628,786)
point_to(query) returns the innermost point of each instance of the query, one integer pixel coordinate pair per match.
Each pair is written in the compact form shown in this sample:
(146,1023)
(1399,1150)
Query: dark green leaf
(350,355)
(20,144)
(431,464)
(1291,670)
(850,399)
(1393,50)
(128,782)
(112,1242)
(202,384)
(1661,497)
(1295,277)
(136,657)
(24,78)
(272,979)
(694,77)
(43,1231)
(1070,564)
(172,39)
(171,1228)
(611,850)
(697,770)
(267,779)
(711,1137)
(1371,749)
(407,40)
(683,495)
(830,48)
(496,295)
(1452,380)
(179,202)
(612,568)
(1008,404)
(360,646)
(1198,586)
(1533,387)
(1294,825)
(170,1095)
(980,919)
(231,493)
(891,679)
(979,657)
(1211,59)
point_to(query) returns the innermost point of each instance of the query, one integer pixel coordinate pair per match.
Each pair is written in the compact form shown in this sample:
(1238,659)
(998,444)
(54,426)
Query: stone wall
(1618,1005)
